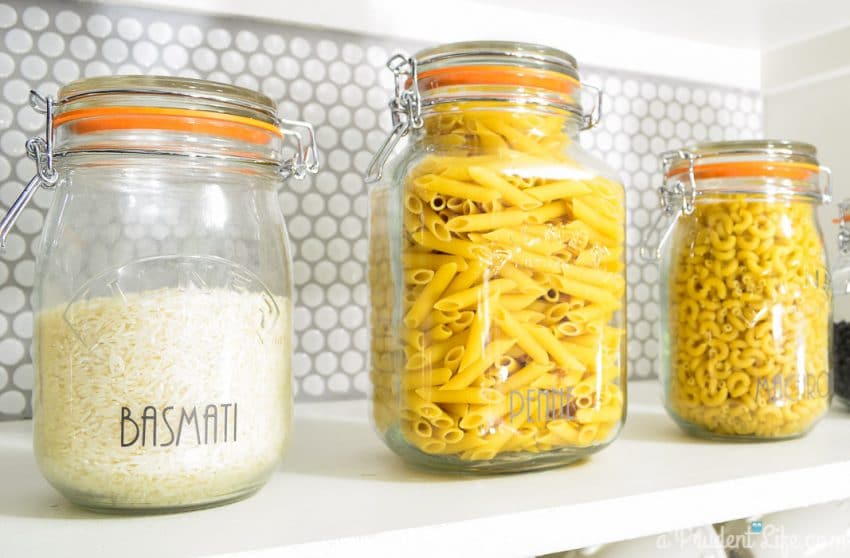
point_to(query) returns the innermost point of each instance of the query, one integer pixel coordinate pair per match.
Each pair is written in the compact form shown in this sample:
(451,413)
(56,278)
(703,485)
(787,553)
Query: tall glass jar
(841,307)
(163,292)
(496,265)
(745,291)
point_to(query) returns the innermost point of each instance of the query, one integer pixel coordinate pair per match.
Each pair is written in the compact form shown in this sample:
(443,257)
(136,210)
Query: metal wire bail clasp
(39,150)
(826,188)
(841,273)
(406,109)
(306,159)
(592,118)
(676,198)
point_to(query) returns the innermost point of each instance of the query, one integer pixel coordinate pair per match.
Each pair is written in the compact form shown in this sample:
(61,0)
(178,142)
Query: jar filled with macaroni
(746,297)
(841,307)
(496,264)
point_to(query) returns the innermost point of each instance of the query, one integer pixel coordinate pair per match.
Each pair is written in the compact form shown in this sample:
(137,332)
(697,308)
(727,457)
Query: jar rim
(499,71)
(766,165)
(191,88)
(518,53)
(756,149)
(163,114)
(777,151)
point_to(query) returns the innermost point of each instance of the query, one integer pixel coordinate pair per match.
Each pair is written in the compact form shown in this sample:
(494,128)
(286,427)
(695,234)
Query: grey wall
(337,81)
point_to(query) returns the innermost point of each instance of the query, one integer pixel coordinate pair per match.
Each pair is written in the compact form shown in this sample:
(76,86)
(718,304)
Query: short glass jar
(496,265)
(746,298)
(163,292)
(841,307)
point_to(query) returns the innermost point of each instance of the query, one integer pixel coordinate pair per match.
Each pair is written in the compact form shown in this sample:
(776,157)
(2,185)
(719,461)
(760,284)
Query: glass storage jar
(745,293)
(841,307)
(163,294)
(496,265)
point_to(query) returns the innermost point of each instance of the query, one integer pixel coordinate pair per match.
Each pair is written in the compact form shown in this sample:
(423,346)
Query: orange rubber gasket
(777,169)
(101,119)
(497,75)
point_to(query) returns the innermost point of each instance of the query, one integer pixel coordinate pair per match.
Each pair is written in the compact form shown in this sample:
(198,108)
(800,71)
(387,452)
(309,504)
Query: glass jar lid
(772,167)
(145,114)
(499,71)
(205,94)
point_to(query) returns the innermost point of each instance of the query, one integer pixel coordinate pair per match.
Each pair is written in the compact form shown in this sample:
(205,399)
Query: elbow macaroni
(530,282)
(748,319)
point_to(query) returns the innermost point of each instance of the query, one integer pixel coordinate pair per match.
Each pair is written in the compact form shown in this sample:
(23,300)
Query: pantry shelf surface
(341,493)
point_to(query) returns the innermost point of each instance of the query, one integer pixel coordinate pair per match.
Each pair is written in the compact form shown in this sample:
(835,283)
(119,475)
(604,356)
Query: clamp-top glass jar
(841,308)
(163,292)
(496,265)
(745,294)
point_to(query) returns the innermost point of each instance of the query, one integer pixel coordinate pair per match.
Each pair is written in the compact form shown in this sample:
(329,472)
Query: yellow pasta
(467,375)
(559,190)
(464,395)
(533,243)
(486,221)
(471,296)
(493,181)
(529,283)
(450,187)
(748,319)
(429,296)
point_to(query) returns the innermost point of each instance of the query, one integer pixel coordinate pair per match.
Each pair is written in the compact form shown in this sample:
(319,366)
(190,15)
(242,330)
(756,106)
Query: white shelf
(341,493)
(615,34)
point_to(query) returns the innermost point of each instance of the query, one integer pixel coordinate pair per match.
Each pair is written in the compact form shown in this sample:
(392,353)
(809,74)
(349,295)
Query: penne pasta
(511,299)
(559,190)
(454,188)
(511,194)
(429,295)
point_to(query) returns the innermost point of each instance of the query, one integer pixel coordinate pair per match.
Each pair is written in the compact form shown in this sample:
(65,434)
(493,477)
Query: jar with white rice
(163,291)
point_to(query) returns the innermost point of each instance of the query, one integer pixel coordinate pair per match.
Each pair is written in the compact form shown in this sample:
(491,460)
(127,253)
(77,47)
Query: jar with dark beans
(841,355)
(841,307)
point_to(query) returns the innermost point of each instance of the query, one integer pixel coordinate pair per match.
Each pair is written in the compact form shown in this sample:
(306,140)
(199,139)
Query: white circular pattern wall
(337,81)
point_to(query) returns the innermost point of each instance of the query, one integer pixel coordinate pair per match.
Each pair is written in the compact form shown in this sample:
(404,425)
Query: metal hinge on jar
(676,198)
(306,159)
(841,275)
(39,150)
(406,110)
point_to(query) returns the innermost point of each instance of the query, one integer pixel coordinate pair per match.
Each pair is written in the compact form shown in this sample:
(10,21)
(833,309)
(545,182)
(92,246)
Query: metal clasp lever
(592,118)
(826,189)
(406,109)
(306,159)
(39,150)
(841,273)
(676,199)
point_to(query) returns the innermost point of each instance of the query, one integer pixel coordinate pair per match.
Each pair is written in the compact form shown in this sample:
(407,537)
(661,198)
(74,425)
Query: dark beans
(841,348)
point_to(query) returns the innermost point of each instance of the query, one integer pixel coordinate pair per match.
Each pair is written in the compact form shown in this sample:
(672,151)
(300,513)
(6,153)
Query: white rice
(186,349)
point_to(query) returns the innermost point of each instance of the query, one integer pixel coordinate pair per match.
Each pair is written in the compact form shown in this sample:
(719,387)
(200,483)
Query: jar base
(106,507)
(513,462)
(844,400)
(700,432)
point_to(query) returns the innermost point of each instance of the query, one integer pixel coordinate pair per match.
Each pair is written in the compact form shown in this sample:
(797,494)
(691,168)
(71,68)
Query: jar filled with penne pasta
(496,264)
(746,296)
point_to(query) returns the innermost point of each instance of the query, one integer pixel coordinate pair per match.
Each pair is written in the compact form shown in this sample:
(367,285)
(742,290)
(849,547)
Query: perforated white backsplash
(338,82)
